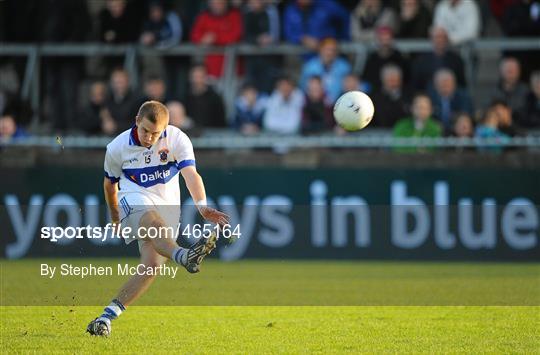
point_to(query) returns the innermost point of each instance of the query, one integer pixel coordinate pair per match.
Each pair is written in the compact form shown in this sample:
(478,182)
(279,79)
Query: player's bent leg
(138,284)
(165,242)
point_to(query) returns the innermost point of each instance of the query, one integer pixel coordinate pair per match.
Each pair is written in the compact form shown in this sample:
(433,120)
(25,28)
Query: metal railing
(283,143)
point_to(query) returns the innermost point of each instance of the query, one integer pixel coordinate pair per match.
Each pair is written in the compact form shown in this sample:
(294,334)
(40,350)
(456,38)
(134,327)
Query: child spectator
(506,121)
(250,107)
(218,26)
(462,126)
(284,110)
(489,128)
(421,124)
(9,129)
(317,112)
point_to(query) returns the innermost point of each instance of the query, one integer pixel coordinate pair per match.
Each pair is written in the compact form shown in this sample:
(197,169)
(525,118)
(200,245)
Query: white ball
(353,110)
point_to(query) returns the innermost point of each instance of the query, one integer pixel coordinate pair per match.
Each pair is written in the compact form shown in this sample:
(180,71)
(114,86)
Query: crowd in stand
(424,94)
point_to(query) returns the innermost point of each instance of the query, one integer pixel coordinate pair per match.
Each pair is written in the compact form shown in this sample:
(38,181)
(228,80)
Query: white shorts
(134,205)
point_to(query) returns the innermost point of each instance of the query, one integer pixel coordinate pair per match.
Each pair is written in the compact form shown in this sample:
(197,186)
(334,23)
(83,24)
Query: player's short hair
(151,110)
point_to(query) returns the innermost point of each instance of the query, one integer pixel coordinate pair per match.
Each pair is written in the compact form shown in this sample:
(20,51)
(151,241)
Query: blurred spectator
(420,124)
(414,19)
(284,109)
(95,117)
(118,23)
(531,115)
(510,89)
(307,22)
(489,128)
(522,19)
(351,82)
(317,113)
(369,15)
(506,122)
(462,126)
(178,117)
(448,99)
(385,54)
(218,26)
(154,89)
(261,27)
(11,102)
(9,129)
(391,100)
(203,104)
(329,66)
(250,107)
(63,21)
(162,29)
(425,65)
(460,19)
(261,23)
(122,102)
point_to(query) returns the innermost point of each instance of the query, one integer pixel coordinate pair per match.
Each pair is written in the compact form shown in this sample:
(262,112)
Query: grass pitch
(249,330)
(280,307)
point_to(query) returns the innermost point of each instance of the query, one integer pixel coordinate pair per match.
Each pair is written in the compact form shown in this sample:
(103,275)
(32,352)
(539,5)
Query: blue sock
(113,310)
(179,256)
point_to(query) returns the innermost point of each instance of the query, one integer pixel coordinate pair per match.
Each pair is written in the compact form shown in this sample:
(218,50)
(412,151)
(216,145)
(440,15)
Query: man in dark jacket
(391,100)
(203,104)
(425,66)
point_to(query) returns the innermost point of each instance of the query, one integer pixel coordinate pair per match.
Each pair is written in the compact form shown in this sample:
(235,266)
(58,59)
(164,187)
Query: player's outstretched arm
(195,186)
(111,197)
